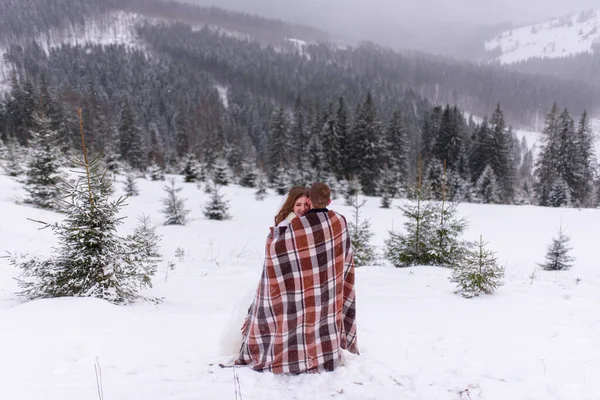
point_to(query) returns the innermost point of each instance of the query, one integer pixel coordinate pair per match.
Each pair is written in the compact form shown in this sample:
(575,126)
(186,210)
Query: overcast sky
(417,23)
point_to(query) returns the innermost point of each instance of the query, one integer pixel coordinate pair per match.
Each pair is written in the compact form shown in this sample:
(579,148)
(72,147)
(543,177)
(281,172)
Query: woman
(296,205)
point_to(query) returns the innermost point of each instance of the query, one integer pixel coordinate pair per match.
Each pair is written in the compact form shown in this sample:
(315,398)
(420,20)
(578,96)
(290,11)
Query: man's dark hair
(319,195)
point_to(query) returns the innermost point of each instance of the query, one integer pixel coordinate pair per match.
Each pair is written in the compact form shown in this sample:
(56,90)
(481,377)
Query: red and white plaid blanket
(303,312)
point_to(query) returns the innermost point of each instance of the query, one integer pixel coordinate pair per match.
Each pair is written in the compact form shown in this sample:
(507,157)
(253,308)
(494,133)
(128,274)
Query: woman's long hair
(295,193)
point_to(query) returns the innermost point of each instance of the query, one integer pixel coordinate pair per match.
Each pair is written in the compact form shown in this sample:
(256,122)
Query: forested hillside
(194,89)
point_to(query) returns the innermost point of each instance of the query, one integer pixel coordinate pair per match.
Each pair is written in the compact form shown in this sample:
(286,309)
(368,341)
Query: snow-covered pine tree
(397,147)
(559,194)
(367,146)
(14,158)
(434,180)
(144,249)
(557,256)
(478,272)
(43,174)
(414,246)
(190,168)
(91,260)
(174,205)
(249,175)
(486,187)
(157,173)
(350,189)
(583,159)
(448,249)
(261,192)
(220,173)
(388,187)
(217,207)
(546,170)
(131,187)
(131,139)
(360,236)
(281,181)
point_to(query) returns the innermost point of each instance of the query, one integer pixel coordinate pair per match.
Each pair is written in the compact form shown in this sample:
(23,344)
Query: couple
(303,313)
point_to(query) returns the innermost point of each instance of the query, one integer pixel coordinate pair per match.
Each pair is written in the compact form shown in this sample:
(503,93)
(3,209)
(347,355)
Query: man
(303,313)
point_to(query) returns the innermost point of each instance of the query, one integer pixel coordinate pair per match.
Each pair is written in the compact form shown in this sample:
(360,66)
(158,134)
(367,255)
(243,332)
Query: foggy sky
(420,24)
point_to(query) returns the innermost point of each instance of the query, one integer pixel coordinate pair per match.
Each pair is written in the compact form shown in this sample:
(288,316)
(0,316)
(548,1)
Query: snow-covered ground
(570,35)
(537,338)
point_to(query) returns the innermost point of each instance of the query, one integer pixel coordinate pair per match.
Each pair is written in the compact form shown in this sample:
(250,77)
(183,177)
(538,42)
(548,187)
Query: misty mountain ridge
(476,89)
(568,36)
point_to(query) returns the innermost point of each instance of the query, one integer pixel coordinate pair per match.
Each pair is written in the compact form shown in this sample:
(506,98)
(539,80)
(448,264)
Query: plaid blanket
(303,312)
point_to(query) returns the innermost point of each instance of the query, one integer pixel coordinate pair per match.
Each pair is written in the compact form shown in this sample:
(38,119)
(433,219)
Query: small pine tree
(261,193)
(249,176)
(388,187)
(478,272)
(350,189)
(217,207)
(131,188)
(557,256)
(190,169)
(156,172)
(91,260)
(220,174)
(414,247)
(447,247)
(14,158)
(43,176)
(559,194)
(144,249)
(174,206)
(487,188)
(360,236)
(282,182)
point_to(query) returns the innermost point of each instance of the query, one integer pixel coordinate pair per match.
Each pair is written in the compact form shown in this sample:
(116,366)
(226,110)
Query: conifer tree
(367,146)
(220,172)
(91,260)
(14,158)
(559,194)
(434,180)
(249,175)
(478,272)
(388,187)
(261,191)
(414,246)
(131,188)
(397,147)
(217,207)
(360,236)
(350,189)
(157,173)
(190,169)
(174,206)
(279,143)
(557,256)
(43,175)
(487,188)
(282,181)
(546,166)
(132,145)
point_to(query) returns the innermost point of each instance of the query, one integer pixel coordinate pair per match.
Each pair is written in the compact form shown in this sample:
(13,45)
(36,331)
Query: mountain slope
(571,35)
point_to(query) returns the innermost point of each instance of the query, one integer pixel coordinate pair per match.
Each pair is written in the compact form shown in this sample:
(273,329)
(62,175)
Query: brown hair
(294,194)
(319,195)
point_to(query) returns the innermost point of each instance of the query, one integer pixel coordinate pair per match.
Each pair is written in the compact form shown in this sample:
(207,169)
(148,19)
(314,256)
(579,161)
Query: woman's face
(301,206)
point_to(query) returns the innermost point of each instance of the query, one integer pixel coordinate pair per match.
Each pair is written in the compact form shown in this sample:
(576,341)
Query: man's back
(304,310)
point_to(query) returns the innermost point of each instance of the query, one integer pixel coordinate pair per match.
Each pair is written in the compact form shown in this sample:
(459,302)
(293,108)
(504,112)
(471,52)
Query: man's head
(319,195)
